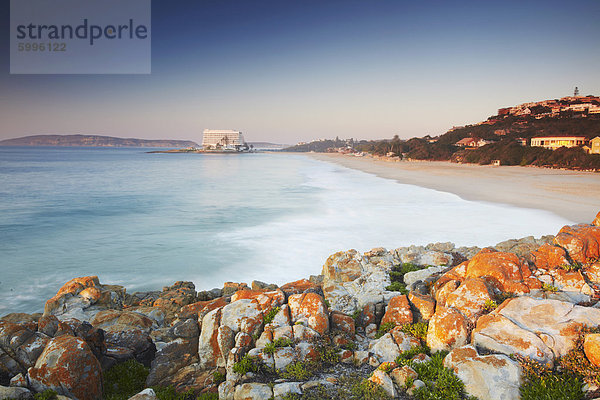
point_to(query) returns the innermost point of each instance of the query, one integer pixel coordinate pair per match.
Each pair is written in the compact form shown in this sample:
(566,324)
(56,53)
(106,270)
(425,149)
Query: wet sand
(571,194)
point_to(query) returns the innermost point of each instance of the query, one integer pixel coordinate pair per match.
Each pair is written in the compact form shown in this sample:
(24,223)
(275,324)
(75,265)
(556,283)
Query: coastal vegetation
(504,134)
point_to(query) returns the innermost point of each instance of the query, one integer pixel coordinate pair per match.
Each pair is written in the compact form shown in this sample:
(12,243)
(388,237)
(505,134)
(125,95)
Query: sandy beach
(571,194)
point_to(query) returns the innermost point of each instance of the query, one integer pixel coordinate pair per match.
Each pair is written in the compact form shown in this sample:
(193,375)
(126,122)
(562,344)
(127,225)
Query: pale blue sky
(285,71)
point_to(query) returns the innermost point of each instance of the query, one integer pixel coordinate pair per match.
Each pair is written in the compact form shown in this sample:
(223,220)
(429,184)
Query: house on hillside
(472,142)
(594,146)
(555,142)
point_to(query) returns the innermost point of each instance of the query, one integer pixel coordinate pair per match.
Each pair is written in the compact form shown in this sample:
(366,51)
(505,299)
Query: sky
(289,71)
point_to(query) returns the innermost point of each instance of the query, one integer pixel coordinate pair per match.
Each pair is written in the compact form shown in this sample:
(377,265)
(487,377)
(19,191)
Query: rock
(117,321)
(82,298)
(382,379)
(506,271)
(230,288)
(398,311)
(201,308)
(252,391)
(48,325)
(68,366)
(13,393)
(282,318)
(174,297)
(491,377)
(343,323)
(424,304)
(596,220)
(410,278)
(146,394)
(243,315)
(311,308)
(402,375)
(209,353)
(549,256)
(258,285)
(226,390)
(282,389)
(267,300)
(19,380)
(591,346)
(470,298)
(20,318)
(388,347)
(538,328)
(582,241)
(497,333)
(300,286)
(20,347)
(171,358)
(283,356)
(417,384)
(448,329)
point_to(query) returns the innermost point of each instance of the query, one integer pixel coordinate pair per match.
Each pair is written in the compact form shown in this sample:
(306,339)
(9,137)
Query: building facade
(594,146)
(555,142)
(222,139)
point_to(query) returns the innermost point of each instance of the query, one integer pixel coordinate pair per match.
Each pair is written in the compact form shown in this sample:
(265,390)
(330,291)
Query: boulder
(402,375)
(209,353)
(448,329)
(82,298)
(117,321)
(146,394)
(201,308)
(470,298)
(253,391)
(424,304)
(410,278)
(549,257)
(300,286)
(282,389)
(528,323)
(491,377)
(343,323)
(67,366)
(350,281)
(497,333)
(173,297)
(382,379)
(14,393)
(267,300)
(310,307)
(582,241)
(230,288)
(506,271)
(244,315)
(20,347)
(596,221)
(171,358)
(388,347)
(591,346)
(398,311)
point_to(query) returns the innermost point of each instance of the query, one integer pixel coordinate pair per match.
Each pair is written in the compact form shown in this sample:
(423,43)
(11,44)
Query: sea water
(147,220)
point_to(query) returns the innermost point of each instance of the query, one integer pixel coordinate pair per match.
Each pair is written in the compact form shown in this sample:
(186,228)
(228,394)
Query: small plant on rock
(47,394)
(490,305)
(245,365)
(384,328)
(542,383)
(407,355)
(299,370)
(548,288)
(418,330)
(270,316)
(218,377)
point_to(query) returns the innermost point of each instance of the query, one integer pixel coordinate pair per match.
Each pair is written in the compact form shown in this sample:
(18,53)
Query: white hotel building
(222,139)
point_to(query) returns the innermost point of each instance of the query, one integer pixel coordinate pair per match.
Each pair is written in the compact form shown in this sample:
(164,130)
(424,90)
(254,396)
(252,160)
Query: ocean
(147,220)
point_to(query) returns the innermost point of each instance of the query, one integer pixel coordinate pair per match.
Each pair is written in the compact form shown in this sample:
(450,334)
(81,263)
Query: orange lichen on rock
(582,241)
(398,311)
(548,256)
(310,307)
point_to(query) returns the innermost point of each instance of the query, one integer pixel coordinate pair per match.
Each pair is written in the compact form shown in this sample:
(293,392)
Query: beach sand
(571,194)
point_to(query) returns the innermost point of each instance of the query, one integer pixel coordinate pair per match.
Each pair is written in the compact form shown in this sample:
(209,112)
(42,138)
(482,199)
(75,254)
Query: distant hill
(93,141)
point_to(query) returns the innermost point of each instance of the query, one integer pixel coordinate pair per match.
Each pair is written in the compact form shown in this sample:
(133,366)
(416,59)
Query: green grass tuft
(124,380)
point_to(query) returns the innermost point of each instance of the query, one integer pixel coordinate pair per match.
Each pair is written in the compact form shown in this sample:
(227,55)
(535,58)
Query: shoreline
(573,195)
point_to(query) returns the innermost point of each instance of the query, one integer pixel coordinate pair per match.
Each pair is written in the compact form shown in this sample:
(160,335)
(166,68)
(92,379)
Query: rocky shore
(424,322)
